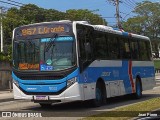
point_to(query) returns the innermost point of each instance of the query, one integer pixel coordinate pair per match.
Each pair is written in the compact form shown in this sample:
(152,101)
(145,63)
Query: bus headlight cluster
(71,81)
(16,83)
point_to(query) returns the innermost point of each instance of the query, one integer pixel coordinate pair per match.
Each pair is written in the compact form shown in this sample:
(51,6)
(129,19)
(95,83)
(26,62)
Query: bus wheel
(45,105)
(138,93)
(99,97)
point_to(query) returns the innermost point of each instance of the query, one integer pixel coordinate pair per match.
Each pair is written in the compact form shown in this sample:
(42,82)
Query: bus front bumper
(73,93)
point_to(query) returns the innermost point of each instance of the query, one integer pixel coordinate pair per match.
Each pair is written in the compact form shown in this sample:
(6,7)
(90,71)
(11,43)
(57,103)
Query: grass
(128,112)
(157,64)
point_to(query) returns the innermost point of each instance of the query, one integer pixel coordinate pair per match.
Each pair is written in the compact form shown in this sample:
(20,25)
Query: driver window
(85,43)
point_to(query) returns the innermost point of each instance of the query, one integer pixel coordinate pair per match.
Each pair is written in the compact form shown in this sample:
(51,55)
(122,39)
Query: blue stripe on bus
(125,33)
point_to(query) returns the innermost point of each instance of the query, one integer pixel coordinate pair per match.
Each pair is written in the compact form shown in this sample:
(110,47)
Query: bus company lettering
(25,66)
(106,74)
(42,30)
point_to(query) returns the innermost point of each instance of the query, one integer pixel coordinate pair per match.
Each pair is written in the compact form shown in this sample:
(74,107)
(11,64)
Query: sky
(101,7)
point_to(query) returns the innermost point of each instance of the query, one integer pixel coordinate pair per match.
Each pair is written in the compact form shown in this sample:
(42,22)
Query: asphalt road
(67,111)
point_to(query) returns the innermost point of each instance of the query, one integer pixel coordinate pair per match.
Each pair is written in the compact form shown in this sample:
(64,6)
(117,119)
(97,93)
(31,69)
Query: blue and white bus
(64,61)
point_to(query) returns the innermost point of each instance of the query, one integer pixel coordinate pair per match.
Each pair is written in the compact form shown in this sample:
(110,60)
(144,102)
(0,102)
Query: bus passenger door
(84,36)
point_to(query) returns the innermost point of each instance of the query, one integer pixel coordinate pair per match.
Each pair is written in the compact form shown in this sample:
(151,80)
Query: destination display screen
(42,29)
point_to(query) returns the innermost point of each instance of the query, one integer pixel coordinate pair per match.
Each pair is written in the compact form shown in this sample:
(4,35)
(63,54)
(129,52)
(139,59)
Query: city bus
(65,61)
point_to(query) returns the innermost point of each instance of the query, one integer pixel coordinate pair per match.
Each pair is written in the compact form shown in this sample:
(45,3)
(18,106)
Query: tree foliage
(146,22)
(84,15)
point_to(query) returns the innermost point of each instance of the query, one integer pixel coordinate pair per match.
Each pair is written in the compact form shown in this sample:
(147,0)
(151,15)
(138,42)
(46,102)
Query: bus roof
(118,31)
(114,30)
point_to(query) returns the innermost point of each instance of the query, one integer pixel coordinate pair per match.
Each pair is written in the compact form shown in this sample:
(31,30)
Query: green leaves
(147,21)
(84,15)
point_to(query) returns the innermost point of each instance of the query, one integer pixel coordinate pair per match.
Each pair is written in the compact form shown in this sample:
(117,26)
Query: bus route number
(30,31)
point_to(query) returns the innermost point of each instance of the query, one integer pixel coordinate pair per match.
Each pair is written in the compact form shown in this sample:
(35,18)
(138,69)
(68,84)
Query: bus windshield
(44,54)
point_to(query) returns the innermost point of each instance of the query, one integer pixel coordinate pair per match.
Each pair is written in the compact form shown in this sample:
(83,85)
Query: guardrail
(157,71)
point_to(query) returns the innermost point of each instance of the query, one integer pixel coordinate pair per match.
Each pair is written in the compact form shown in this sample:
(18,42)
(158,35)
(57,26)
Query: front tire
(99,97)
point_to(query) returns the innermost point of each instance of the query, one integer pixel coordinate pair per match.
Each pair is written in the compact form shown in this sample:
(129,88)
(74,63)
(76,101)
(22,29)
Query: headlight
(16,83)
(71,81)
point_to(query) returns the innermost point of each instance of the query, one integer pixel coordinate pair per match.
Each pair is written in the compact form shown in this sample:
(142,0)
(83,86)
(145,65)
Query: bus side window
(114,47)
(149,50)
(124,48)
(100,45)
(143,50)
(134,49)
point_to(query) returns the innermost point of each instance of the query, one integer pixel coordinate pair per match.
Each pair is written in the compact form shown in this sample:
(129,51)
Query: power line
(16,2)
(132,2)
(124,13)
(10,3)
(128,5)
(108,17)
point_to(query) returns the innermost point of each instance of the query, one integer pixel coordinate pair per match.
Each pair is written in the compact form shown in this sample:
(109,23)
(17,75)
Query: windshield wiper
(51,42)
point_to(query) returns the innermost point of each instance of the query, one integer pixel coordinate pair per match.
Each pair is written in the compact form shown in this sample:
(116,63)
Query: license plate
(40,97)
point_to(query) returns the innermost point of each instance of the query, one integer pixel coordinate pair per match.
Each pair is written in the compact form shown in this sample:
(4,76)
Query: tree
(84,15)
(146,22)
(30,13)
(147,19)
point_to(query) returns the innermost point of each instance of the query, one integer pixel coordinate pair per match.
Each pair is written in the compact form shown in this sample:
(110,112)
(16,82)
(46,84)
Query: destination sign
(35,30)
(26,66)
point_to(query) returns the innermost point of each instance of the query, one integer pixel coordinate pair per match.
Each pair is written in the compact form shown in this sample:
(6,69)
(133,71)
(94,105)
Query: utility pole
(116,4)
(117,13)
(1,27)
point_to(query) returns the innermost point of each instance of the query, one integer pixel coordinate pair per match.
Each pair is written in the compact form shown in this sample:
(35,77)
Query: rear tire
(138,93)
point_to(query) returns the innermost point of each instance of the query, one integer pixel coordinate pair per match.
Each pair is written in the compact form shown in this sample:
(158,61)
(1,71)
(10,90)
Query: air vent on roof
(82,22)
(64,21)
(105,27)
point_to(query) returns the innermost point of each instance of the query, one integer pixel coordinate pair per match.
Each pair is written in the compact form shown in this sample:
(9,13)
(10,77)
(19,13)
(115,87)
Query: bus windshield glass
(44,54)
